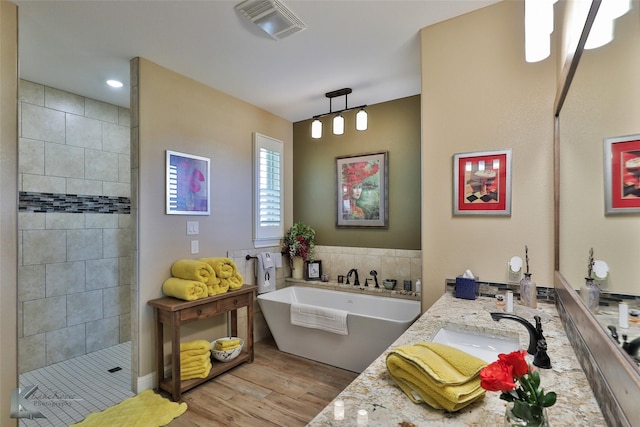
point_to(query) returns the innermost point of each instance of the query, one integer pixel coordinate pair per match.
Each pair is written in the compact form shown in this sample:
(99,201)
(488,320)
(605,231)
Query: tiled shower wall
(74,249)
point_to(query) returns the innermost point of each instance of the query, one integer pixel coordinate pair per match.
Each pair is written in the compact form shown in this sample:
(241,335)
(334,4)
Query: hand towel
(188,290)
(191,269)
(419,390)
(326,319)
(443,363)
(223,267)
(437,374)
(266,260)
(202,345)
(227,344)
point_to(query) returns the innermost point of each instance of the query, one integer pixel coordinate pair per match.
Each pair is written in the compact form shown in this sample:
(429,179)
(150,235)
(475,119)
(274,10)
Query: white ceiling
(370,46)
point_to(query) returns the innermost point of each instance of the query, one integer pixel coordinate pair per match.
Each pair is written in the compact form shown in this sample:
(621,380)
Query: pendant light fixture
(338,124)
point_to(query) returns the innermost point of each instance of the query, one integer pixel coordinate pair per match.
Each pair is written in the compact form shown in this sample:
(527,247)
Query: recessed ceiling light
(114,83)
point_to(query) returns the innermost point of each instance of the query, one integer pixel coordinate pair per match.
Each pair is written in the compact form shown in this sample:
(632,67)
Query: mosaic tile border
(491,289)
(73,203)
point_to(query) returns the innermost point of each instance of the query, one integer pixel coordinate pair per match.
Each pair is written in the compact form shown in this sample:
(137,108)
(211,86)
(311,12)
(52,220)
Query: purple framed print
(187,184)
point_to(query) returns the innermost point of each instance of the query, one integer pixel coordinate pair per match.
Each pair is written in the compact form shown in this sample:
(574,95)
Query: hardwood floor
(277,389)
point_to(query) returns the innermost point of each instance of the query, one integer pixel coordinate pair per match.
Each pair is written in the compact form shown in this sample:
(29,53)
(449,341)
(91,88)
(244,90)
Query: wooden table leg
(175,356)
(159,349)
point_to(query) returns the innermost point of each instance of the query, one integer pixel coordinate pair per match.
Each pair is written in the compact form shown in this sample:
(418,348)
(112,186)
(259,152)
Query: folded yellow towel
(189,290)
(189,374)
(419,387)
(441,376)
(223,267)
(443,363)
(227,344)
(190,353)
(201,345)
(190,360)
(192,269)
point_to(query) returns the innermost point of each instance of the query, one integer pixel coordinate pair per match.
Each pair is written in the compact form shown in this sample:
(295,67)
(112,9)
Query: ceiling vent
(272,16)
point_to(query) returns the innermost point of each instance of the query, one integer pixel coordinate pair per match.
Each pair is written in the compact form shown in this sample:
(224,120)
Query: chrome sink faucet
(537,342)
(356,281)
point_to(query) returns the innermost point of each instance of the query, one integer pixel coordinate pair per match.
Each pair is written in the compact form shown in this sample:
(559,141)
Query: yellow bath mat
(147,409)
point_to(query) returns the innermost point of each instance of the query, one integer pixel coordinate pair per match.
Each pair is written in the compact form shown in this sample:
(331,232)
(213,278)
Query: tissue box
(465,288)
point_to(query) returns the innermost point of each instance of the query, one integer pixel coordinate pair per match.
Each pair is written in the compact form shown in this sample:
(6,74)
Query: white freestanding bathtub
(373,322)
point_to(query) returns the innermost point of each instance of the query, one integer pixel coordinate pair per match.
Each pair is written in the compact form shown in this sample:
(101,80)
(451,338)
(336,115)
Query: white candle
(338,410)
(623,314)
(362,419)
(509,308)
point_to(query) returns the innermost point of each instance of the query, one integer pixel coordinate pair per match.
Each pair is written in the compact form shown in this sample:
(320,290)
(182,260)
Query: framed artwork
(622,174)
(313,270)
(187,184)
(482,183)
(362,190)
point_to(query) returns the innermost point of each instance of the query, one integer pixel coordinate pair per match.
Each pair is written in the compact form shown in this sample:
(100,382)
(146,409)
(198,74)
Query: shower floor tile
(69,391)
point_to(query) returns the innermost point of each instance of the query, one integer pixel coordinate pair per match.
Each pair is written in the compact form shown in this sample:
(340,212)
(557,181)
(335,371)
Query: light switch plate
(193,227)
(194,247)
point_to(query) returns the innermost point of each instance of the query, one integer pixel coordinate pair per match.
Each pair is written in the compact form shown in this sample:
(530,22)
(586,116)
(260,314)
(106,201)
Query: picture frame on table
(622,174)
(362,190)
(482,183)
(187,184)
(313,270)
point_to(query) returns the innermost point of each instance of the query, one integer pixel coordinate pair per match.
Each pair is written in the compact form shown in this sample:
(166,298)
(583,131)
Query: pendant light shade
(338,119)
(361,120)
(316,129)
(603,27)
(338,124)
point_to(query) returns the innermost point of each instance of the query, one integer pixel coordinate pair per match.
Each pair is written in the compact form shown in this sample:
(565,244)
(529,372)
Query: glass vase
(590,294)
(528,291)
(522,414)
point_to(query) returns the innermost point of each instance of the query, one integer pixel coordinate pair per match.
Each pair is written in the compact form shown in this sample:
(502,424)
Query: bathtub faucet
(357,281)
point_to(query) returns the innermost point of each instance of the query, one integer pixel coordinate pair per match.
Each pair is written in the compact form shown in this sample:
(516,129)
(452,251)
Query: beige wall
(478,93)
(394,126)
(602,102)
(180,114)
(8,206)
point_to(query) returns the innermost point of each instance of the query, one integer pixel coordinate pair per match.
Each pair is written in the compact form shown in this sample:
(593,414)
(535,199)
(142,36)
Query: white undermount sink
(485,345)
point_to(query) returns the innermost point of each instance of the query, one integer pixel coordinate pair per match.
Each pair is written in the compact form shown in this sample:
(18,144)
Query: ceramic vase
(297,268)
(522,414)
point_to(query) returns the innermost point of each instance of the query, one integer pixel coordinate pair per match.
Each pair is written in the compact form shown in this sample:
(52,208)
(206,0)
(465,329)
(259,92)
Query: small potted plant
(299,243)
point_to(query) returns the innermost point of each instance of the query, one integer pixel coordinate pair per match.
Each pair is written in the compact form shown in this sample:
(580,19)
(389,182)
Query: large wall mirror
(603,101)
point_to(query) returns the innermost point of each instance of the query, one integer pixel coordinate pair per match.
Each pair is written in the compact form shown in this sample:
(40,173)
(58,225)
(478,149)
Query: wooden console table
(176,312)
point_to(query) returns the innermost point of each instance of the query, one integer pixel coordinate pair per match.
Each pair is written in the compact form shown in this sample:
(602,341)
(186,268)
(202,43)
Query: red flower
(498,376)
(517,362)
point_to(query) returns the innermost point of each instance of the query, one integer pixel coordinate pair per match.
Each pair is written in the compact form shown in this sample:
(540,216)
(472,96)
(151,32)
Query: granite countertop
(386,405)
(609,316)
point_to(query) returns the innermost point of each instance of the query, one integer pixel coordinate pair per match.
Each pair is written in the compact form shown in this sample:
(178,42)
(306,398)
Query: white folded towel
(266,260)
(326,319)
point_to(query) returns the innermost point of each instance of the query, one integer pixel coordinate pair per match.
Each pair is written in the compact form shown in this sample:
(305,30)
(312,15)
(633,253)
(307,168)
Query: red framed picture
(482,183)
(622,174)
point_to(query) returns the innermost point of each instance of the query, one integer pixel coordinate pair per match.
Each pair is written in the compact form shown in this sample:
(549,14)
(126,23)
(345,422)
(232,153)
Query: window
(267,191)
